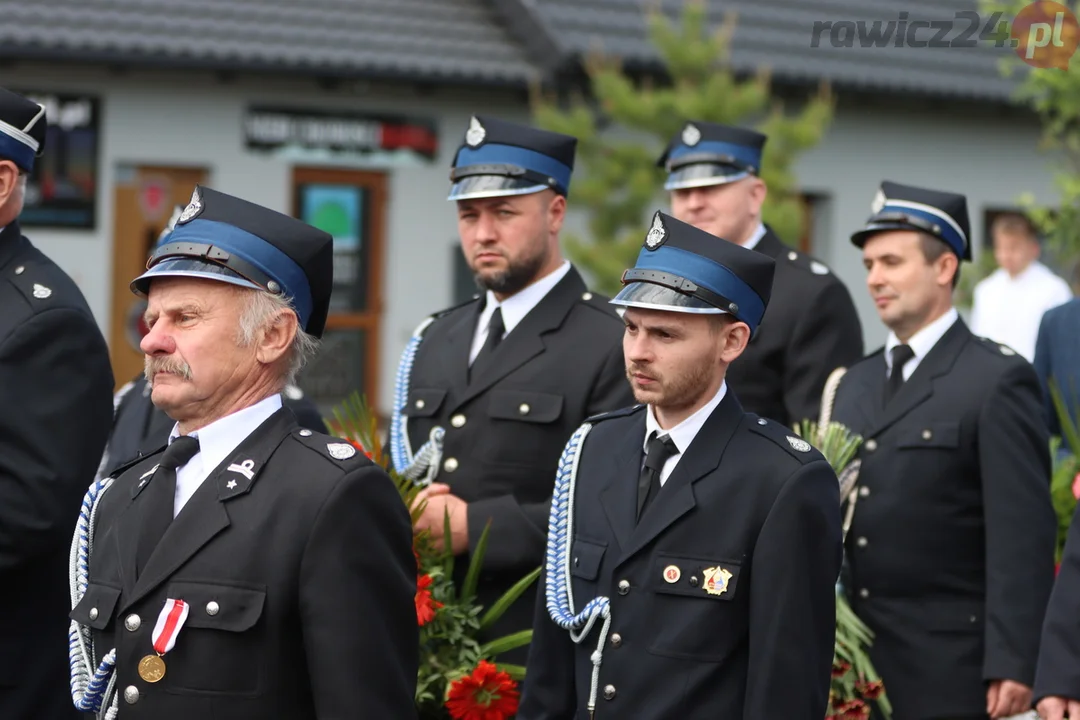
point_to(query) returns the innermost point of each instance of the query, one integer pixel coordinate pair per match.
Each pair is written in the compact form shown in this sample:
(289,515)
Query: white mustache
(154,365)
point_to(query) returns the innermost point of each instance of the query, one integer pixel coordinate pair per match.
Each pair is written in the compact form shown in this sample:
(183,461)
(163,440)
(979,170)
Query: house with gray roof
(348,112)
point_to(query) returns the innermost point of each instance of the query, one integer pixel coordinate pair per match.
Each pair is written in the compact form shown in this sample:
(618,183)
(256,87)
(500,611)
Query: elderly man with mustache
(499,384)
(252,568)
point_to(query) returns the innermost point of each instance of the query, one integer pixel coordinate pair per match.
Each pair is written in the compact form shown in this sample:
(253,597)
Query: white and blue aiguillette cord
(560,596)
(90,694)
(422,467)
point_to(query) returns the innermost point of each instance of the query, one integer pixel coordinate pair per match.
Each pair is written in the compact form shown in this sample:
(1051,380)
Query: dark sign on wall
(62,190)
(309,135)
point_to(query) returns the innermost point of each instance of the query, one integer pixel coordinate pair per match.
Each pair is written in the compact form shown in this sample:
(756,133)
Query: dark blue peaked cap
(22,129)
(905,207)
(500,158)
(683,269)
(704,154)
(221,237)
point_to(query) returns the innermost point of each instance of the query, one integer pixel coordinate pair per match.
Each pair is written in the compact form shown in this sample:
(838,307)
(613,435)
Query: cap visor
(657,297)
(859,237)
(189,267)
(487,186)
(704,175)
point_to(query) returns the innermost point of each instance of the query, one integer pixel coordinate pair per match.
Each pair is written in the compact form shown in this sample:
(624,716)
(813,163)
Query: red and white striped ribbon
(171,618)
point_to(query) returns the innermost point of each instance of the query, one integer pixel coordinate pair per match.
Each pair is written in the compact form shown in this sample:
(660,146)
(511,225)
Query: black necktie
(494,337)
(900,356)
(658,452)
(156,508)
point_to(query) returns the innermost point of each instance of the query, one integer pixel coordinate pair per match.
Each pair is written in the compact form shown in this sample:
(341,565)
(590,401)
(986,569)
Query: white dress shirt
(921,342)
(216,442)
(682,434)
(1008,309)
(515,307)
(755,238)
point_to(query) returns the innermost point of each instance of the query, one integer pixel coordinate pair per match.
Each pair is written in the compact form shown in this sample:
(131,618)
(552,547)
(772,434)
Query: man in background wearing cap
(55,384)
(140,427)
(507,377)
(701,542)
(951,548)
(812,326)
(254,569)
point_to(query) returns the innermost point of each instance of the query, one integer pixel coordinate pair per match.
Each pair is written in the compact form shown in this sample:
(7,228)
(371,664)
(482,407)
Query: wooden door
(144,199)
(350,205)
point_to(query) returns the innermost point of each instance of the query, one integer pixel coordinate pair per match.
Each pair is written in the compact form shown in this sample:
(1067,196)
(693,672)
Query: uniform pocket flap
(699,577)
(525,406)
(930,435)
(220,607)
(423,403)
(97,607)
(585,559)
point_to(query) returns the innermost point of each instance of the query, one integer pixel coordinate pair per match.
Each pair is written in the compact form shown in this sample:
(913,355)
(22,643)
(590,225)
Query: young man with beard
(951,549)
(812,326)
(252,568)
(503,380)
(693,547)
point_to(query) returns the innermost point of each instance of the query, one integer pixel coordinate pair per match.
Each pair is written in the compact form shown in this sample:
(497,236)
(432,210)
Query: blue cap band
(514,155)
(256,251)
(740,153)
(16,151)
(708,274)
(949,233)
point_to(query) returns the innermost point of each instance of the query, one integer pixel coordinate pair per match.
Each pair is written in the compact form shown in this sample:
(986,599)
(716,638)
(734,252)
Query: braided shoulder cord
(559,593)
(89,693)
(424,465)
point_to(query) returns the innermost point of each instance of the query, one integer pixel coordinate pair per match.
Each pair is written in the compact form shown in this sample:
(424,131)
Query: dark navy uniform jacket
(55,406)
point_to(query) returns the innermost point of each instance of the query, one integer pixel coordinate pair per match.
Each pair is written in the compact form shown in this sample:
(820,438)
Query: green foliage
(1054,95)
(1066,465)
(616,178)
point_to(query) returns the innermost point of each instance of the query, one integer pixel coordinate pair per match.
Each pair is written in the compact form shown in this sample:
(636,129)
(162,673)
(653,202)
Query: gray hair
(260,309)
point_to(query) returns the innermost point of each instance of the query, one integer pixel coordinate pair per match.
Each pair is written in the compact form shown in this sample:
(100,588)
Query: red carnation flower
(870,690)
(425,604)
(840,668)
(486,694)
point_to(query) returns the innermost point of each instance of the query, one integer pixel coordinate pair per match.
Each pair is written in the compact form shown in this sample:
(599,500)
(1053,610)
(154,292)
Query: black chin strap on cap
(214,256)
(682,285)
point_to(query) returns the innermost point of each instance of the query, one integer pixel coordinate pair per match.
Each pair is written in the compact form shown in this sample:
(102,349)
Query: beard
(169,364)
(518,275)
(675,390)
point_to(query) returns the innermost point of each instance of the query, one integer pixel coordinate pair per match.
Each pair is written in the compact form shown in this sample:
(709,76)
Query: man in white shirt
(1009,304)
(953,511)
(694,546)
(252,568)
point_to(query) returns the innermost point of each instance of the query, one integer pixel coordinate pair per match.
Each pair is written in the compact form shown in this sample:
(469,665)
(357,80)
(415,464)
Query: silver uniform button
(305,433)
(864,491)
(524,408)
(450,464)
(616,640)
(131,694)
(609,692)
(419,404)
(624,587)
(862,542)
(93,613)
(458,420)
(792,256)
(864,593)
(587,296)
(20,270)
(133,622)
(927,434)
(212,608)
(871,445)
(762,421)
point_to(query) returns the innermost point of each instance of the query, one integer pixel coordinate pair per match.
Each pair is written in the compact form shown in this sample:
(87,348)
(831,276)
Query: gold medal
(151,668)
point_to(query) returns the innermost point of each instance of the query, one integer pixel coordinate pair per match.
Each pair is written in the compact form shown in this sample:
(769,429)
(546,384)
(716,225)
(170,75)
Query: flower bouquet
(855,683)
(457,677)
(1065,478)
